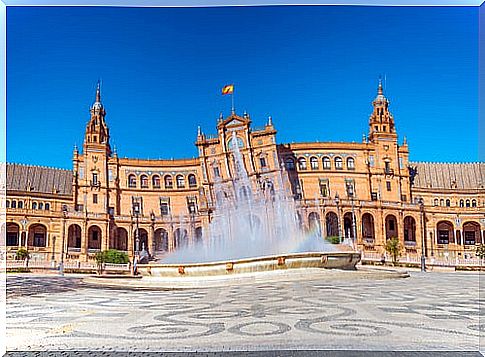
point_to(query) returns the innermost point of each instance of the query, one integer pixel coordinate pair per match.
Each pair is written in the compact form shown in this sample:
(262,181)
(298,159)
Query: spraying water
(250,222)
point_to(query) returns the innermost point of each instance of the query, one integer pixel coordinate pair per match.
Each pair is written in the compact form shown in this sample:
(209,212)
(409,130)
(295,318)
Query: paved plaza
(427,311)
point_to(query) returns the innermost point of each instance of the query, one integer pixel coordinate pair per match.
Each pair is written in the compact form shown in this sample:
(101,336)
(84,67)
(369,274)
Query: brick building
(366,191)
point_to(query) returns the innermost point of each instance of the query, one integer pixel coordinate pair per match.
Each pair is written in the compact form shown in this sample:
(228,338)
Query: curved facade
(366,191)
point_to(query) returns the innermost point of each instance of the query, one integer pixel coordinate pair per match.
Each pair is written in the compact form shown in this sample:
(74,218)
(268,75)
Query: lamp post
(64,216)
(152,219)
(350,193)
(423,235)
(24,223)
(337,201)
(136,212)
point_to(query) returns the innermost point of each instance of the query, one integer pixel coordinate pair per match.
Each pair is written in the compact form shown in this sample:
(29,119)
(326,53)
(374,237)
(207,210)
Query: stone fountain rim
(255,259)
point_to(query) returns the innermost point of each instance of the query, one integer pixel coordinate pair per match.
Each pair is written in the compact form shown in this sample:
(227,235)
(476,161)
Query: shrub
(112,256)
(333,239)
(22,254)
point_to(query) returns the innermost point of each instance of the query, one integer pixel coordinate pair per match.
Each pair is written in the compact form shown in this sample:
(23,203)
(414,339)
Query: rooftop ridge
(448,163)
(39,166)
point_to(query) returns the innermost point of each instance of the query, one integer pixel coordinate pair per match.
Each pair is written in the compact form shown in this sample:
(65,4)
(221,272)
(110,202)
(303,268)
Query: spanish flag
(229,89)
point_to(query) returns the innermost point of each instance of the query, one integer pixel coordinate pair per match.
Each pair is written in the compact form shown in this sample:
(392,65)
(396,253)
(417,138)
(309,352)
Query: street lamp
(423,234)
(136,212)
(337,201)
(64,216)
(350,193)
(152,219)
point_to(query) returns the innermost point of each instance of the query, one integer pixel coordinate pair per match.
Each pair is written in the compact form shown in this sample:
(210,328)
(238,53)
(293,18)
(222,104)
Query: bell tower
(97,132)
(381,121)
(91,167)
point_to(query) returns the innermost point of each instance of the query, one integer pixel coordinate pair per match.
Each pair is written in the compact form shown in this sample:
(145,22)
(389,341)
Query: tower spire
(98,92)
(380,91)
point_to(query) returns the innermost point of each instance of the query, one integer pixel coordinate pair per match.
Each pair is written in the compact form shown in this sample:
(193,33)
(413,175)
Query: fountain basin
(328,260)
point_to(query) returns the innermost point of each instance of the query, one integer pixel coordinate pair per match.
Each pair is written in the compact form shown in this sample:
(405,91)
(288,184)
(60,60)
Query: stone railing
(430,261)
(70,265)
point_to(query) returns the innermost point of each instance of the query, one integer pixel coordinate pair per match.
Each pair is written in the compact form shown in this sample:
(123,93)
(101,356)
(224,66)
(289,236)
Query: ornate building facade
(366,191)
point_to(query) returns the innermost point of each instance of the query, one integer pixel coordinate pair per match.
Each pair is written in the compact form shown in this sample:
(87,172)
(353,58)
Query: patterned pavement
(427,312)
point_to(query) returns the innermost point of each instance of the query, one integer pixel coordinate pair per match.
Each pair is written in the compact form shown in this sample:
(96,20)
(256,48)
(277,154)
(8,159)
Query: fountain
(253,229)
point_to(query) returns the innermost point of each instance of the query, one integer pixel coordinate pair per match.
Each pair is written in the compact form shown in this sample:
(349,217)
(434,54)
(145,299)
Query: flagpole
(232,101)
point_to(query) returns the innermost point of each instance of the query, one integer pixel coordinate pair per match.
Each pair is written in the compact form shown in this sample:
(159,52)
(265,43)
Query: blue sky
(313,69)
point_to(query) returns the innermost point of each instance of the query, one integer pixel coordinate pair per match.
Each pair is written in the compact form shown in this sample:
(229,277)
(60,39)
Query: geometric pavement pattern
(434,311)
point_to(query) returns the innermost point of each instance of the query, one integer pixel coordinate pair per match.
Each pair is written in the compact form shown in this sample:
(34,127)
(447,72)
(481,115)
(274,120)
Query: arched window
(47,206)
(41,205)
(192,180)
(132,181)
(338,163)
(435,203)
(468,203)
(144,181)
(442,202)
(290,164)
(168,181)
(7,204)
(156,181)
(474,203)
(34,205)
(301,163)
(462,203)
(448,203)
(180,181)
(326,162)
(20,204)
(350,163)
(314,163)
(14,204)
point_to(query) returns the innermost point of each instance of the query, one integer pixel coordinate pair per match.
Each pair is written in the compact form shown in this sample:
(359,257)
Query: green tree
(393,247)
(22,254)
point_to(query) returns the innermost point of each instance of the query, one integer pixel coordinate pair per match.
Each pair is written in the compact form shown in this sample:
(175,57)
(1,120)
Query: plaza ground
(431,311)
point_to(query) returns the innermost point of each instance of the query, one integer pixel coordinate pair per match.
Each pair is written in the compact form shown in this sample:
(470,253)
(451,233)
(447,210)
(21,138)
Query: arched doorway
(37,235)
(348,226)
(409,229)
(198,235)
(142,240)
(368,232)
(444,232)
(120,239)
(161,240)
(391,227)
(13,235)
(331,221)
(94,238)
(314,224)
(74,236)
(181,238)
(471,233)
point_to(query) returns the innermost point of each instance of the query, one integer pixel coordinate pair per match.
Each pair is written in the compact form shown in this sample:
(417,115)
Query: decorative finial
(405,141)
(97,104)
(75,148)
(98,91)
(199,131)
(270,121)
(380,91)
(221,117)
(364,138)
(245,115)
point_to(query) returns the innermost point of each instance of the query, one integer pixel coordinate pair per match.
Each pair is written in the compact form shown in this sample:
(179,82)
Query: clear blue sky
(313,69)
